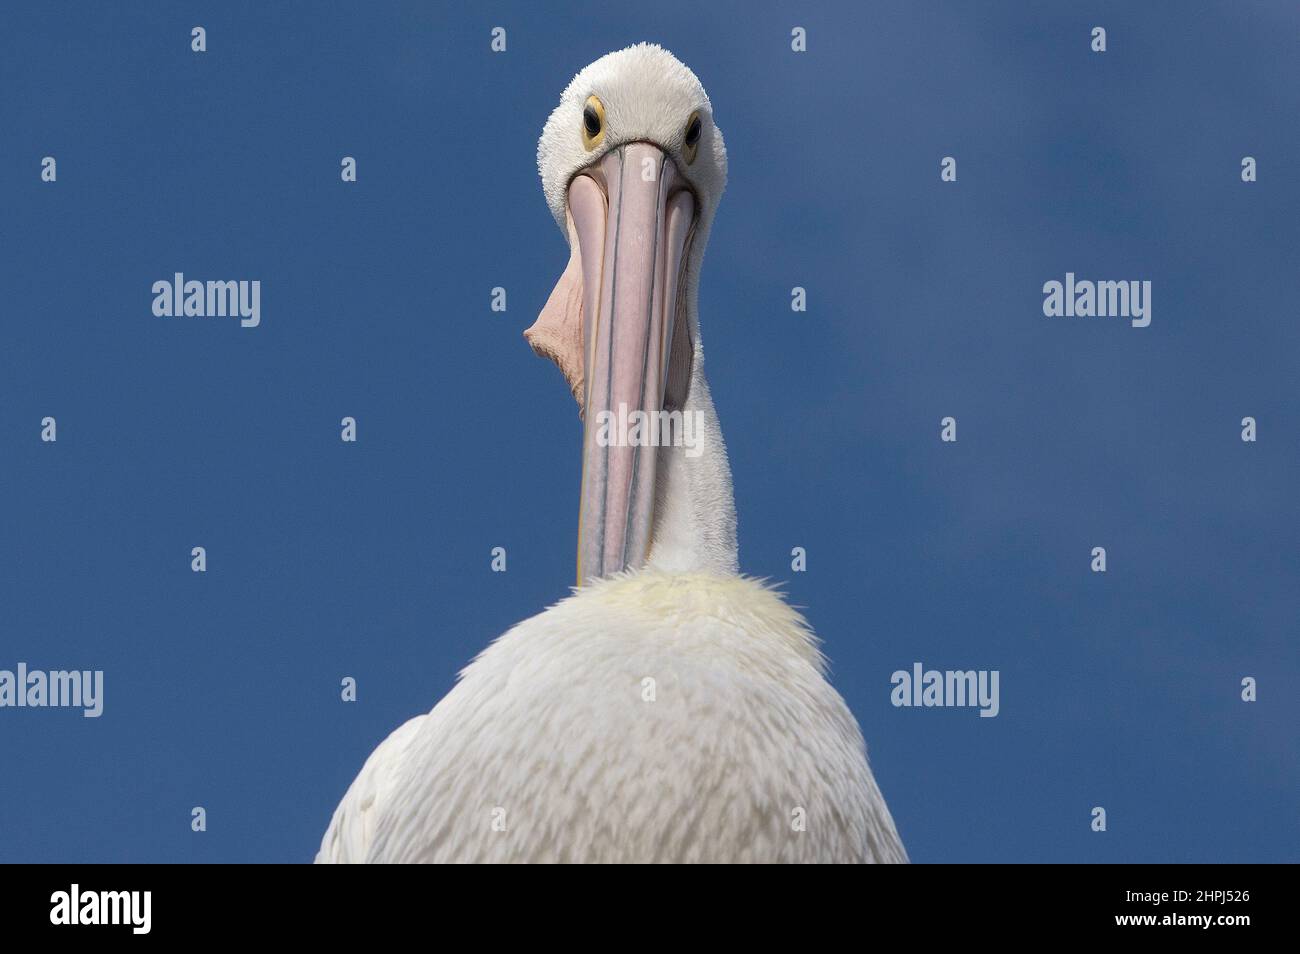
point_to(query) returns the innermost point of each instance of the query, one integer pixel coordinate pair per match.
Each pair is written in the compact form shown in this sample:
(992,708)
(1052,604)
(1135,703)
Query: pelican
(670,709)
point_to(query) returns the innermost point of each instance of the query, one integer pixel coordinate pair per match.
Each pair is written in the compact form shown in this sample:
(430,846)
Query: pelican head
(633,167)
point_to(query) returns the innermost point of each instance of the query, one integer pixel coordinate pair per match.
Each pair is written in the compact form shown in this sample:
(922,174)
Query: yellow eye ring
(691,140)
(593,123)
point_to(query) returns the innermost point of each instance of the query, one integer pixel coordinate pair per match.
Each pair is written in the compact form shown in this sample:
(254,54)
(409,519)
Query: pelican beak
(630,223)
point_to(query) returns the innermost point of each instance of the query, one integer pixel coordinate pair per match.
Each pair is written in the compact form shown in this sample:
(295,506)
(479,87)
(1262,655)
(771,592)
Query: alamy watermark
(75,906)
(58,688)
(951,687)
(1089,299)
(651,429)
(179,298)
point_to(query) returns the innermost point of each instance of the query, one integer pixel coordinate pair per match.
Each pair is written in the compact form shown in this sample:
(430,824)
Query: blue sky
(924,300)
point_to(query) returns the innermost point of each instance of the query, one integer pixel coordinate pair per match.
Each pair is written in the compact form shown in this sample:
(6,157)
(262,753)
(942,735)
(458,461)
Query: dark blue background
(372,560)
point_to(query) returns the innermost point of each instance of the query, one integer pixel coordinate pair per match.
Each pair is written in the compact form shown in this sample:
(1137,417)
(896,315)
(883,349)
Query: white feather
(549,735)
(352,829)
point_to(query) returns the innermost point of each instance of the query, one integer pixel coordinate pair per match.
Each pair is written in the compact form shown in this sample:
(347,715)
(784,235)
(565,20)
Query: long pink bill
(632,217)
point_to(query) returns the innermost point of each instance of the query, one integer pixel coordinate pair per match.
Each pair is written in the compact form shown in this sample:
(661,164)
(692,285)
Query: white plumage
(554,734)
(675,712)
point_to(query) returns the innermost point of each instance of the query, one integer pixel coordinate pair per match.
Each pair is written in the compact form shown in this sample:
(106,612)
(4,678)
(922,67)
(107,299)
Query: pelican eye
(593,123)
(692,142)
